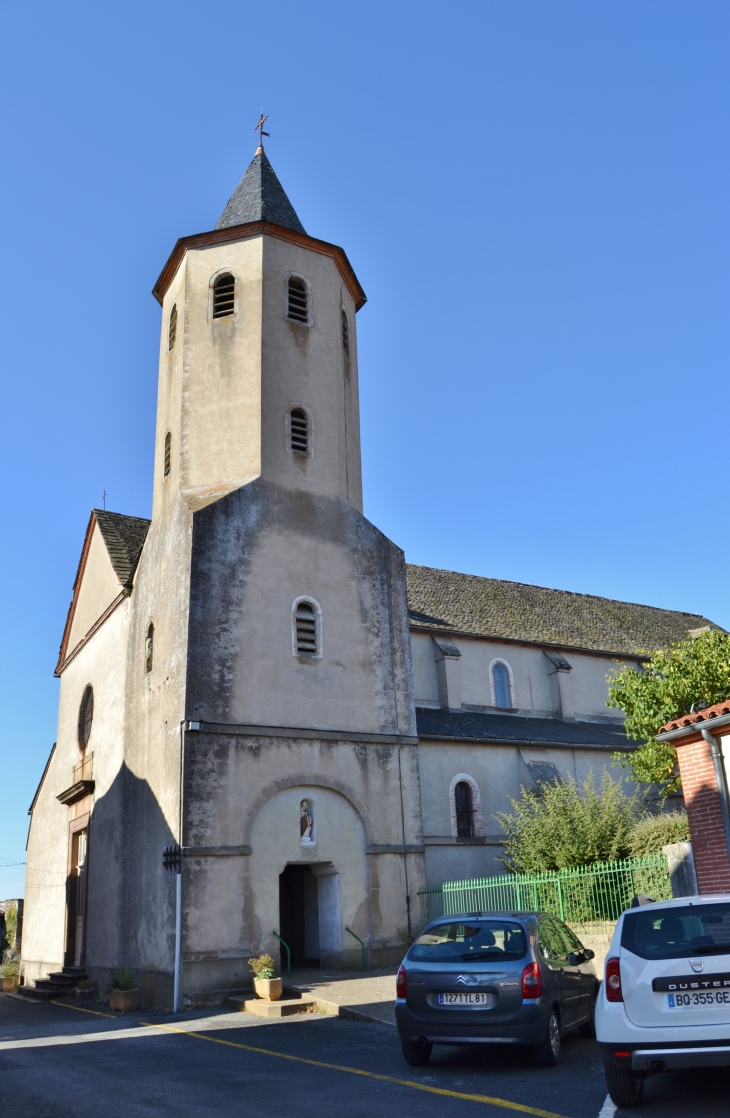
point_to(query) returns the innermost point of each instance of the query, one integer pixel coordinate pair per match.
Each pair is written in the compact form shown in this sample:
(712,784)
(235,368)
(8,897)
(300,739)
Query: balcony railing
(84,770)
(82,783)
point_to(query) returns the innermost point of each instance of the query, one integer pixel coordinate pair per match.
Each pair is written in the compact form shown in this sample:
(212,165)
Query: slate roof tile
(491,607)
(509,728)
(124,537)
(260,196)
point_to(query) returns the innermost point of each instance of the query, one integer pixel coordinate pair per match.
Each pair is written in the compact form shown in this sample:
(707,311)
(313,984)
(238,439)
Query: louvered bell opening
(345,334)
(172,332)
(168,451)
(299,428)
(298,308)
(224,291)
(306,623)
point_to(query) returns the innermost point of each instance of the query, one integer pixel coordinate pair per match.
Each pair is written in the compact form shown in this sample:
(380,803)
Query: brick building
(702,741)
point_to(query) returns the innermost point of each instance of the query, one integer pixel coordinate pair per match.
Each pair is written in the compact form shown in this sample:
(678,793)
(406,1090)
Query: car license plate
(464,999)
(694,1000)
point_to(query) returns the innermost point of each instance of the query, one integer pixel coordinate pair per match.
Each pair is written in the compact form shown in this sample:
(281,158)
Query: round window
(86,717)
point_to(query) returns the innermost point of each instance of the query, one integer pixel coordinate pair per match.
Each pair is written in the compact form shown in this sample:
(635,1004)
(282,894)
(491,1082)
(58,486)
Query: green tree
(694,671)
(562,824)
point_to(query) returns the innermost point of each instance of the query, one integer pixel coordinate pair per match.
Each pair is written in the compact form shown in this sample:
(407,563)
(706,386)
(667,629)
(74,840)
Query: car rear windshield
(472,939)
(676,933)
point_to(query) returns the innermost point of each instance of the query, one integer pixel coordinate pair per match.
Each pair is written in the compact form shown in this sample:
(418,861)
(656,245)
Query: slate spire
(260,196)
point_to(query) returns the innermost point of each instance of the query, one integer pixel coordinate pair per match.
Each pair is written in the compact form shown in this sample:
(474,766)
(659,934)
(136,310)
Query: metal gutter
(721,780)
(695,728)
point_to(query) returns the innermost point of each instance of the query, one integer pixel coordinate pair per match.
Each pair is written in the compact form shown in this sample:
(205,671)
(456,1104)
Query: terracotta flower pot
(124,1001)
(268,988)
(10,983)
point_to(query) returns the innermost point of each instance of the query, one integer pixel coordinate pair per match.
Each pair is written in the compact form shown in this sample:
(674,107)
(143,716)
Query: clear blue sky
(535,198)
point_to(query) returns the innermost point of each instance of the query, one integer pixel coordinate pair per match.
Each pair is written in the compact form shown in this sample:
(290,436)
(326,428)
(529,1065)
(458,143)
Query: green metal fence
(590,896)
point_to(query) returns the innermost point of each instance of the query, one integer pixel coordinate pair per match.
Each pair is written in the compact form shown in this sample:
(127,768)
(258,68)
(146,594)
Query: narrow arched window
(86,717)
(168,453)
(305,629)
(298,301)
(502,689)
(149,648)
(172,330)
(224,295)
(299,431)
(345,333)
(464,810)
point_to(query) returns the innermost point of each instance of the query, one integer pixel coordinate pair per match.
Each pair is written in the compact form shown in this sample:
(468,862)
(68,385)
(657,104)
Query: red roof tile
(705,715)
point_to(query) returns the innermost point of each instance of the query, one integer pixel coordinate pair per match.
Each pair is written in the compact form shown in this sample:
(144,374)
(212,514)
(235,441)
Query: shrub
(123,978)
(262,966)
(562,824)
(11,924)
(10,965)
(653,832)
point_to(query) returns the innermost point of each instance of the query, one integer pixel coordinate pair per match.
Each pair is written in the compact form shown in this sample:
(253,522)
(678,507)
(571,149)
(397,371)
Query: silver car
(495,978)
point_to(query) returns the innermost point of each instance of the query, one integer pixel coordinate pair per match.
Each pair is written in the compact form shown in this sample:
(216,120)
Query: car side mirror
(588,954)
(574,958)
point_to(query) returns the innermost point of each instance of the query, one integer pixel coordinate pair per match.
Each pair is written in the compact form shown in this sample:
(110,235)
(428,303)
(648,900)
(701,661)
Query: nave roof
(448,601)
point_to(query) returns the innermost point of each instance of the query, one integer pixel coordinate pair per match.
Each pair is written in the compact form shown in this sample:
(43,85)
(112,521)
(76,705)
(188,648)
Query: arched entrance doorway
(310,913)
(307,876)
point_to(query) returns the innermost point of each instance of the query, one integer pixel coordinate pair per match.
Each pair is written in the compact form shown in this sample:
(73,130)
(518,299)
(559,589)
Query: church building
(257,690)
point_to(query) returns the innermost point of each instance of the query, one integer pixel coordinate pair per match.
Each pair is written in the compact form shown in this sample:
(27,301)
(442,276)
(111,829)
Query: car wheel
(547,1053)
(416,1054)
(625,1087)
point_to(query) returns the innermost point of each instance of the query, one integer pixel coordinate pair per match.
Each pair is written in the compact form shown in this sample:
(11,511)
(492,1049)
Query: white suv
(665,1001)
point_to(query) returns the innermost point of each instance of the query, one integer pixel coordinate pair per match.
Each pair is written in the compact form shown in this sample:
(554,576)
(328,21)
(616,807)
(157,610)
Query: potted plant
(10,972)
(124,994)
(265,982)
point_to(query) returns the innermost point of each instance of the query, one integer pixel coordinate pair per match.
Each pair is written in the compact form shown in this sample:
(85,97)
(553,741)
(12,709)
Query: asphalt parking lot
(63,1062)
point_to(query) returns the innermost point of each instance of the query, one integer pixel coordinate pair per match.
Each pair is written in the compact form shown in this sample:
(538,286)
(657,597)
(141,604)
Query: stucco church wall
(44,927)
(254,553)
(538,688)
(306,365)
(99,587)
(244,796)
(220,422)
(500,773)
(155,710)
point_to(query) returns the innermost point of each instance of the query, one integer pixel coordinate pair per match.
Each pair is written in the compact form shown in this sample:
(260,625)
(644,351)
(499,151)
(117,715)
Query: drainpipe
(721,779)
(405,852)
(178,878)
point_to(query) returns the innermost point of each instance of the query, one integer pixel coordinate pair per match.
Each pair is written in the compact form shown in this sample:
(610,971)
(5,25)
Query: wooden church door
(77,899)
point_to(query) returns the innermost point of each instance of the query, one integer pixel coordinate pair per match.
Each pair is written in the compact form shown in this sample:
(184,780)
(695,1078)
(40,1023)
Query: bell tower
(258,356)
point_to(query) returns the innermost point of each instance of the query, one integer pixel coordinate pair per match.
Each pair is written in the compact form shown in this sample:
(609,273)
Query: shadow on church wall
(130,914)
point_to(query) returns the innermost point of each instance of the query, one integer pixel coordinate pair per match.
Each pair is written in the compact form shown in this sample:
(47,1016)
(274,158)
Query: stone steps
(292,1003)
(58,984)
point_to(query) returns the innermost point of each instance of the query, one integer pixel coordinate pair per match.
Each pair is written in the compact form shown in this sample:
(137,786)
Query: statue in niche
(306,822)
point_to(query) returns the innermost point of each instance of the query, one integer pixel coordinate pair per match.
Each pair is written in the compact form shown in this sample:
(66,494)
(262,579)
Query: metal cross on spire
(260,129)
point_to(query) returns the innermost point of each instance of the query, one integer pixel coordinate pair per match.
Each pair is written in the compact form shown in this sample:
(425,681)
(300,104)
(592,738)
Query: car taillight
(532,981)
(400,983)
(613,981)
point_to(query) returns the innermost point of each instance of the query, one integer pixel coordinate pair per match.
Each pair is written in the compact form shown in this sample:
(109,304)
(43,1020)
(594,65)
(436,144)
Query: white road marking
(235,1020)
(608,1109)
